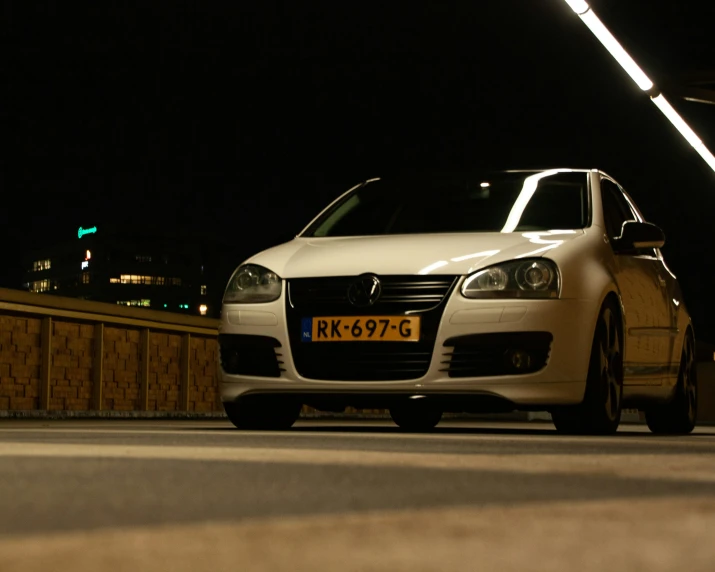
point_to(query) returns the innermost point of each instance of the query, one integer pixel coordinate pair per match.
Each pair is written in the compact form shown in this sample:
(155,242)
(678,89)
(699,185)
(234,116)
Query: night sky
(239,120)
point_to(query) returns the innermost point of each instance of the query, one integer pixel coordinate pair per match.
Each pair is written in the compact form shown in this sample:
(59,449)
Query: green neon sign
(82,231)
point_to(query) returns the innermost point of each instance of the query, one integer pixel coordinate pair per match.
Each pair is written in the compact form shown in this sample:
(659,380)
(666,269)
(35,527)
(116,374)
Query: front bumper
(560,382)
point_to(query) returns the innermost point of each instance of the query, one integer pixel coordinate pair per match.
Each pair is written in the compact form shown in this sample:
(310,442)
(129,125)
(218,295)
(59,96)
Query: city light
(83,231)
(587,15)
(203,309)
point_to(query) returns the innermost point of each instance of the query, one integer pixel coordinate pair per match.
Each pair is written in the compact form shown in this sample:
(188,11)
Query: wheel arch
(613,297)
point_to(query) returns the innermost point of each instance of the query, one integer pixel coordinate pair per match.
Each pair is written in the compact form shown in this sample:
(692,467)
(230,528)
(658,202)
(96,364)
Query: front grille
(250,355)
(399,293)
(483,355)
(366,361)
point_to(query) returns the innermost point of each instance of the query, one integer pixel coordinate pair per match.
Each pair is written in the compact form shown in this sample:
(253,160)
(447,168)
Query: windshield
(502,202)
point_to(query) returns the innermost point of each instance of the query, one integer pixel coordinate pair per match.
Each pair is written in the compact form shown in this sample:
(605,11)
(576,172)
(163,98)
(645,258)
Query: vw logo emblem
(365,291)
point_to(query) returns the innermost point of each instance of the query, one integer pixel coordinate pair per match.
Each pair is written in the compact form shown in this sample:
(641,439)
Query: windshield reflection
(504,202)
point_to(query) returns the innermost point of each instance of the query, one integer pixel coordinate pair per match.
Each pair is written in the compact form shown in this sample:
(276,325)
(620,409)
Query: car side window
(616,209)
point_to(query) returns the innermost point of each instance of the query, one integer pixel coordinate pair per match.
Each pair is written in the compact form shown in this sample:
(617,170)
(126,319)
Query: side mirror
(636,235)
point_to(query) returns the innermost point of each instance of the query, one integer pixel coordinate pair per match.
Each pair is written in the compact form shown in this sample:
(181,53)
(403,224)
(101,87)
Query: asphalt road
(158,495)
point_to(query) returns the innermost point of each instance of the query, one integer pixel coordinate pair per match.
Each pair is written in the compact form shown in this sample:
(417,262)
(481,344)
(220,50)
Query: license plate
(361,329)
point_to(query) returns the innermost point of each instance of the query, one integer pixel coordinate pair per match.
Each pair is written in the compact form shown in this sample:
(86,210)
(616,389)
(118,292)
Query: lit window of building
(131,279)
(150,280)
(203,289)
(143,302)
(85,277)
(203,309)
(114,281)
(40,286)
(41,265)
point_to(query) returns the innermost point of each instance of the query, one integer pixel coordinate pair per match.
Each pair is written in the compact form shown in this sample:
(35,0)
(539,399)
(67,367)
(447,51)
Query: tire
(263,412)
(679,415)
(415,415)
(600,411)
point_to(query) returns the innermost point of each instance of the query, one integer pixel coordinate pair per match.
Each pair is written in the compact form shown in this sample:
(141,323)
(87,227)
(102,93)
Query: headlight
(252,284)
(518,279)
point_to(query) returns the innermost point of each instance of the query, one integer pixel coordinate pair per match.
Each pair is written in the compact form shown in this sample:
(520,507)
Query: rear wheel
(263,412)
(415,415)
(679,415)
(600,411)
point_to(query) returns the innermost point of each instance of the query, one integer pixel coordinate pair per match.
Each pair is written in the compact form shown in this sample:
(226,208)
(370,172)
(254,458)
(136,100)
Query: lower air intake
(485,355)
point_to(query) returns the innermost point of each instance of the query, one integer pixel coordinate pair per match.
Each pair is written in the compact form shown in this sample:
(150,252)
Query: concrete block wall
(63,354)
(164,372)
(20,362)
(204,393)
(121,369)
(70,366)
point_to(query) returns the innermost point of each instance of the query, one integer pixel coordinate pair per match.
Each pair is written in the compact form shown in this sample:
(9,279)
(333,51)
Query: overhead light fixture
(587,15)
(616,50)
(677,121)
(613,46)
(578,6)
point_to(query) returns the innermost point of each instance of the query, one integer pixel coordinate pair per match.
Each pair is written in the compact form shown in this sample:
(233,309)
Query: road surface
(351,496)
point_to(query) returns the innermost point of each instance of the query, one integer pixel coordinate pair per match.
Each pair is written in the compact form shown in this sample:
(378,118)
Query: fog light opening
(519,360)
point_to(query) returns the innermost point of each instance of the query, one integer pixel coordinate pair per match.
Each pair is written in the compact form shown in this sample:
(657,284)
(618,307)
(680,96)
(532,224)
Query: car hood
(434,254)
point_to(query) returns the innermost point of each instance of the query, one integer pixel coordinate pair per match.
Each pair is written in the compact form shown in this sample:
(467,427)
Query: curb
(134,415)
(519,417)
(201,416)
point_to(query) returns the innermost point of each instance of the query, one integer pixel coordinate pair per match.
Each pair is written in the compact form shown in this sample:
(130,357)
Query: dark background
(237,121)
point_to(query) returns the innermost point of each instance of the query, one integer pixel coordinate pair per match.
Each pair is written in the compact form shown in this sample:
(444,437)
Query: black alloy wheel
(600,411)
(678,416)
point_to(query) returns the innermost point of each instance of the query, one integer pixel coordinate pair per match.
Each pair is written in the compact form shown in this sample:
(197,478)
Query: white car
(515,290)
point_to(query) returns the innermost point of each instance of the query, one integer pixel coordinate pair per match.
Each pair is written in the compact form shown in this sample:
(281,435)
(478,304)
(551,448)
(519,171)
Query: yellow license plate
(361,329)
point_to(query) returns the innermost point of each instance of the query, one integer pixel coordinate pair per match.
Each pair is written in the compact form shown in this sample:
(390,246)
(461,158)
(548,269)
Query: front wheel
(415,415)
(263,412)
(678,416)
(600,411)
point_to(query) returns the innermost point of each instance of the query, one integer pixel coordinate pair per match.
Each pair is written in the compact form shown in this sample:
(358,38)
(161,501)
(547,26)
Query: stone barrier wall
(20,362)
(62,354)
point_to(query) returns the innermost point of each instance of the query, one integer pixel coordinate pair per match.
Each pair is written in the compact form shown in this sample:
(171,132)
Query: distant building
(113,265)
